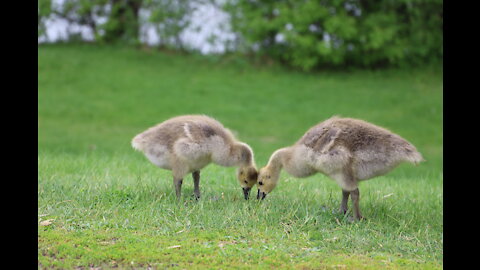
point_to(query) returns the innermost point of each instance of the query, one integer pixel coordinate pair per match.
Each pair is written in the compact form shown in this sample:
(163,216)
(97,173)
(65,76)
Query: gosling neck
(243,155)
(277,161)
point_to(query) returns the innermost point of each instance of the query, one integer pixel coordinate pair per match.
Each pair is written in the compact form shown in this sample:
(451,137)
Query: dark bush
(365,33)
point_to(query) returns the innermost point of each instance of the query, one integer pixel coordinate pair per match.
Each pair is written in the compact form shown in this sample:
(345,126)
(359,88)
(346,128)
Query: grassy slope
(111,207)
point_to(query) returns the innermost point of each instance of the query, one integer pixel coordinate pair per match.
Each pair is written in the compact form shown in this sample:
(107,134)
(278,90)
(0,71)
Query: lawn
(102,204)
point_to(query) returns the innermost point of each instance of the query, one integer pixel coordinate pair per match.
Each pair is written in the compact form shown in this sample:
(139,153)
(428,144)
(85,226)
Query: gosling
(344,149)
(186,144)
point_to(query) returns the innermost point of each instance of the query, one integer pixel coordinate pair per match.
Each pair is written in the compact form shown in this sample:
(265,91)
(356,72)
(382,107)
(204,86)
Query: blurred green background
(98,98)
(269,72)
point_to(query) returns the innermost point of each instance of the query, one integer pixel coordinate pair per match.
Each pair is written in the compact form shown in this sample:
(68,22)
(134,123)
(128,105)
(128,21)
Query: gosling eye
(260,183)
(246,182)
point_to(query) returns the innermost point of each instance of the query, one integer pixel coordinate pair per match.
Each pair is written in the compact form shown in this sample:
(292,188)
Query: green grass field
(102,204)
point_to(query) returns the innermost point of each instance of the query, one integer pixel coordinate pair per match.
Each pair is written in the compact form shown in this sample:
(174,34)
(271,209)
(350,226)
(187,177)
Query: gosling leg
(344,204)
(196,184)
(177,182)
(356,208)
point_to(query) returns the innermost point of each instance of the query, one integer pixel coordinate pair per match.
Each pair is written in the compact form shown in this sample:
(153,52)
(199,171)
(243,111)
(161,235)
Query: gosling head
(247,177)
(267,180)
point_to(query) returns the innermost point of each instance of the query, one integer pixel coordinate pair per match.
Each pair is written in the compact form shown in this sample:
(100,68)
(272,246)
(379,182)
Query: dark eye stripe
(260,183)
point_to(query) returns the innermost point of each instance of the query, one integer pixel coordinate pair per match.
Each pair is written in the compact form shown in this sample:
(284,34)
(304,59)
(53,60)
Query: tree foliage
(44,10)
(313,33)
(123,21)
(170,18)
(85,13)
(120,20)
(304,34)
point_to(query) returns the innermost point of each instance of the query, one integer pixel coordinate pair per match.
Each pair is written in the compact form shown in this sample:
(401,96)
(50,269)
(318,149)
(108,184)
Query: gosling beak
(246,192)
(261,195)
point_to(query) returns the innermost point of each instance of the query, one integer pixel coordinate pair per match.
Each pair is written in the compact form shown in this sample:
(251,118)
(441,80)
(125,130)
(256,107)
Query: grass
(109,207)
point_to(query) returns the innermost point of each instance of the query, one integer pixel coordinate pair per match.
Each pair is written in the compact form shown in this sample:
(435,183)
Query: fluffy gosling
(346,150)
(186,144)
